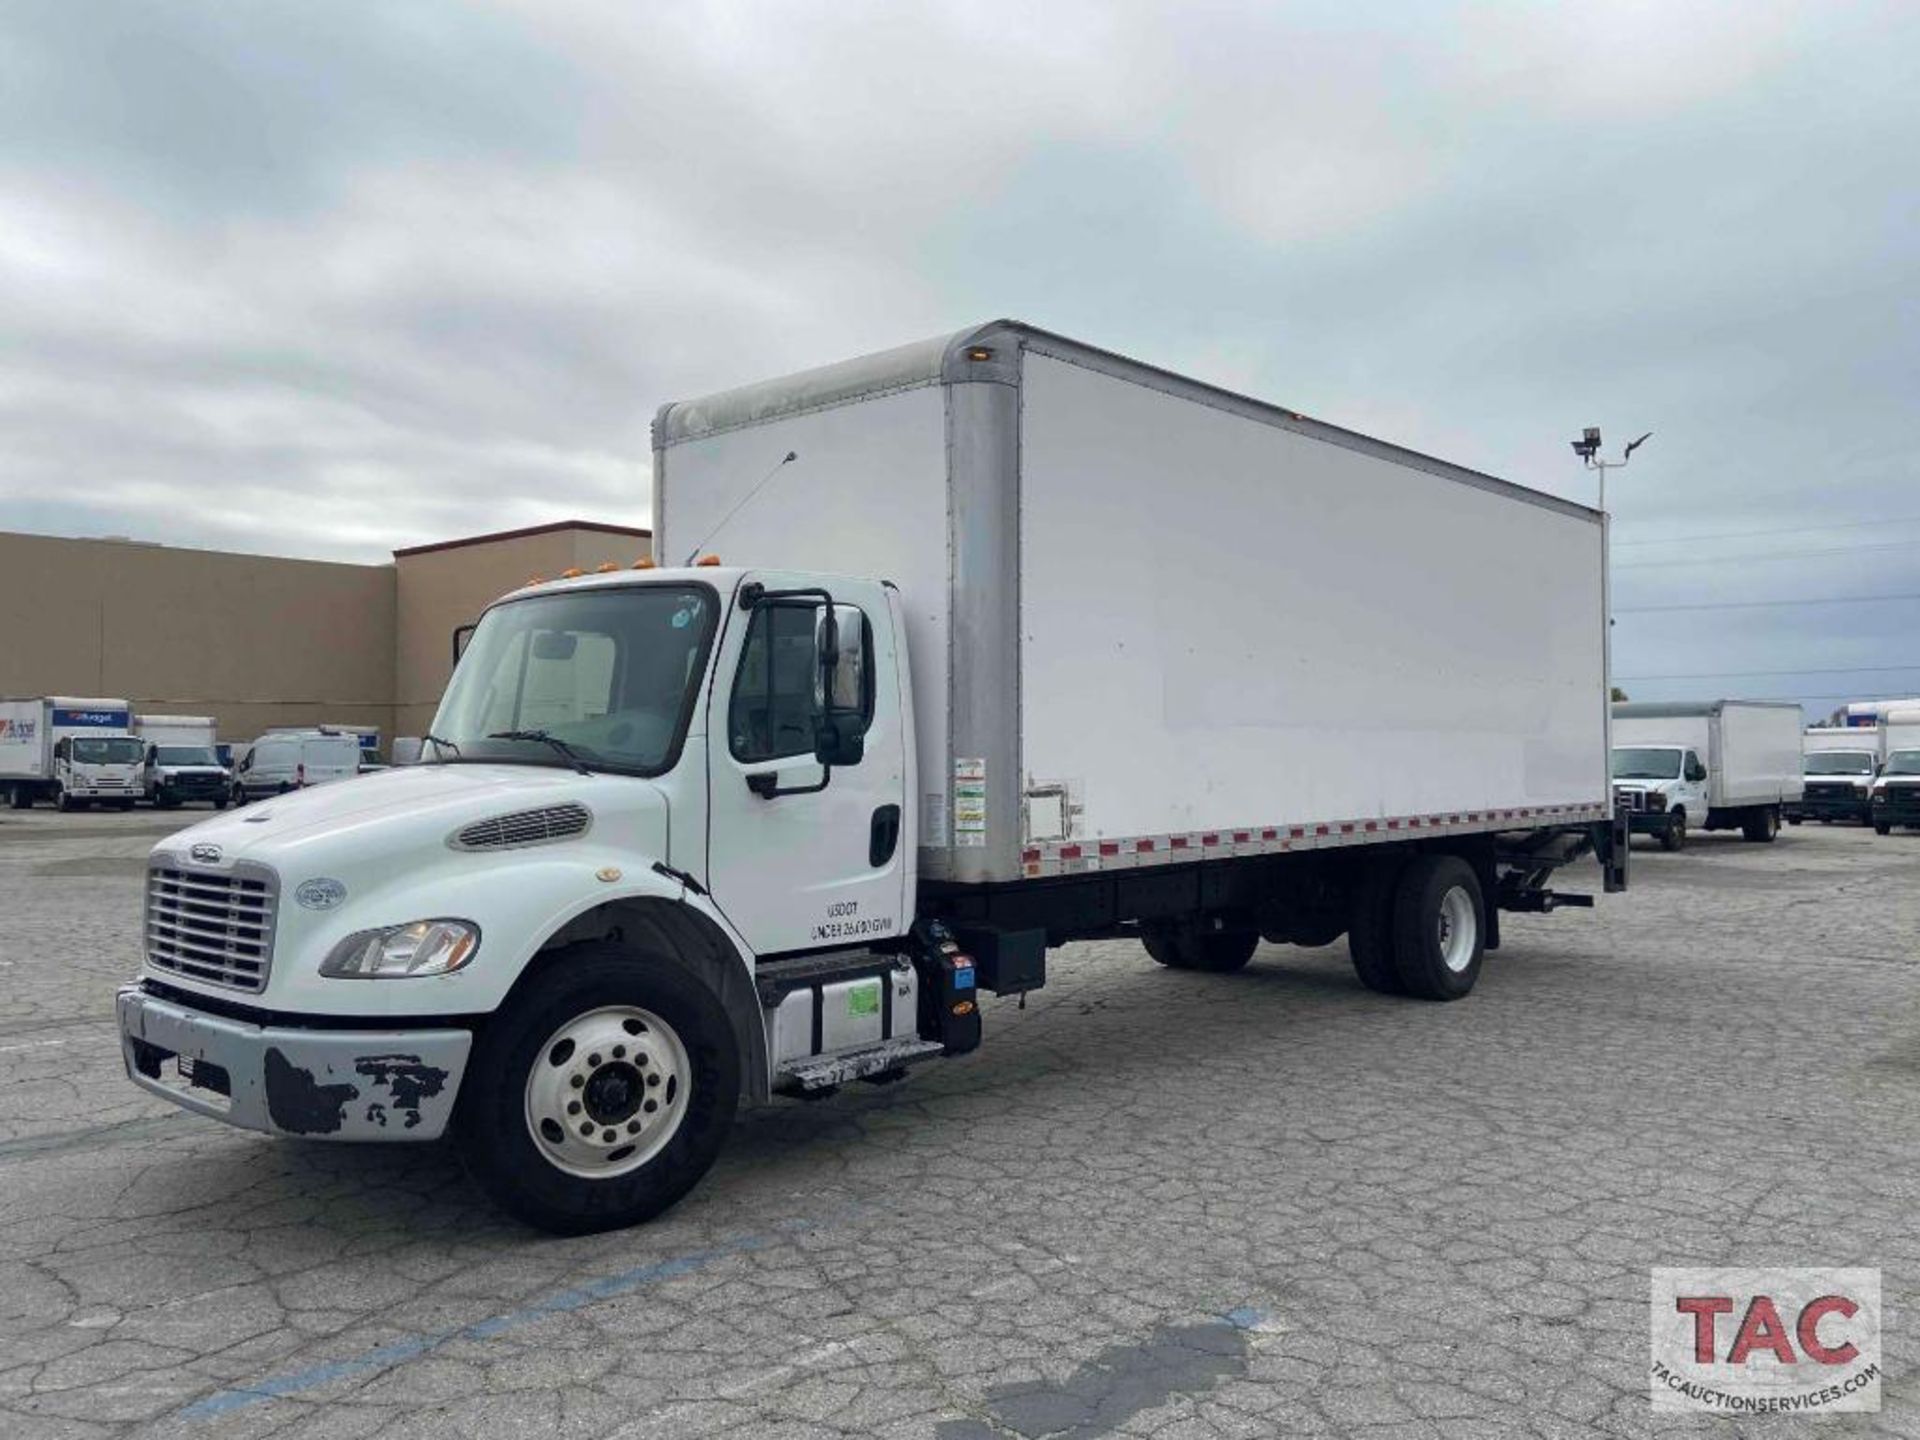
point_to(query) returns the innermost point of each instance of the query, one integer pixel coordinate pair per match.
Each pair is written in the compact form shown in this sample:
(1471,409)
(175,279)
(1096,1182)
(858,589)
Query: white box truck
(1023,643)
(1706,765)
(71,750)
(1895,798)
(182,761)
(1839,763)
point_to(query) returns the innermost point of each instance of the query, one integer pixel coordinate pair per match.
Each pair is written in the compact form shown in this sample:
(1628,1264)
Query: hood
(363,822)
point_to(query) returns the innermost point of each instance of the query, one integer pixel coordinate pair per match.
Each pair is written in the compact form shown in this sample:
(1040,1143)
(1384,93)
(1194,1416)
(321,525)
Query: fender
(658,913)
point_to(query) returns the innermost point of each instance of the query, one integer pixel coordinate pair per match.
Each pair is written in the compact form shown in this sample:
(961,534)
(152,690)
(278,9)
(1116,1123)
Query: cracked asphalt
(1154,1204)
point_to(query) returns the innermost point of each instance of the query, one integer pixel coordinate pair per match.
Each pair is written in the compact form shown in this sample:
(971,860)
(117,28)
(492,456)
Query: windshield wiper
(439,744)
(543,737)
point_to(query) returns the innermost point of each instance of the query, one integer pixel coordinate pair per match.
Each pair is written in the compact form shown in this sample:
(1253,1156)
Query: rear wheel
(219,802)
(1761,826)
(1214,951)
(1793,819)
(601,1093)
(1439,927)
(1881,827)
(1674,837)
(20,797)
(1370,931)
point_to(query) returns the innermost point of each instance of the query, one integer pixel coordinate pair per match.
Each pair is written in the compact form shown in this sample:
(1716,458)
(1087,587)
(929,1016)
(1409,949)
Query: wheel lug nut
(619,1052)
(577,1082)
(586,1129)
(573,1107)
(610,1136)
(633,1127)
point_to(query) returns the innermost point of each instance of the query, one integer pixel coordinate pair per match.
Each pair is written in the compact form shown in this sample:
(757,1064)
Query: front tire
(1674,837)
(545,1088)
(63,802)
(219,803)
(1882,827)
(1439,927)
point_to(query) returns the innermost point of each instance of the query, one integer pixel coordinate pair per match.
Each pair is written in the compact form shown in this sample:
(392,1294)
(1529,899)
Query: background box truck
(182,761)
(1024,643)
(1706,765)
(1839,763)
(68,749)
(1895,798)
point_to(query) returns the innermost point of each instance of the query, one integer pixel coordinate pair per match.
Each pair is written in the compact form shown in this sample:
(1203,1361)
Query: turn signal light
(965,1007)
(708,560)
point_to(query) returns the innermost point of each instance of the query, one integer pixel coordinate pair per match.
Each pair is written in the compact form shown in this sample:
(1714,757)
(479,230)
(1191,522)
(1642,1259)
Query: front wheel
(1674,837)
(63,802)
(219,802)
(1882,827)
(601,1092)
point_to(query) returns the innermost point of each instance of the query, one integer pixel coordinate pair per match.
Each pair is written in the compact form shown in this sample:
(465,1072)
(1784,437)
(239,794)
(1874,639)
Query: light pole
(1587,447)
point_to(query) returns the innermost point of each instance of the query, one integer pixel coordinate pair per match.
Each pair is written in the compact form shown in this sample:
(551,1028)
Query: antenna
(786,459)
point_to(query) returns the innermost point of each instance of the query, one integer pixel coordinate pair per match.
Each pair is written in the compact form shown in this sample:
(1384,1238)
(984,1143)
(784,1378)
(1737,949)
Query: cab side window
(776,693)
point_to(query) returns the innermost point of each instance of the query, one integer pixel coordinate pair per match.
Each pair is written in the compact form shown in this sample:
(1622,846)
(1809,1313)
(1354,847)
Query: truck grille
(525,827)
(1629,799)
(1817,791)
(211,925)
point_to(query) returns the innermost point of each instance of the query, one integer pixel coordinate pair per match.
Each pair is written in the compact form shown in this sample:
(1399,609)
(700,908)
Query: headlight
(424,947)
(1879,797)
(1656,801)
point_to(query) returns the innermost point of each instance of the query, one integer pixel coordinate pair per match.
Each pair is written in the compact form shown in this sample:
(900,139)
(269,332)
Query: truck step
(823,1072)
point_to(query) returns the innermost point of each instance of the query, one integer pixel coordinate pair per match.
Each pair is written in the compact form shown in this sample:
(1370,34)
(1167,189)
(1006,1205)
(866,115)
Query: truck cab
(103,768)
(706,764)
(1663,790)
(1839,786)
(1895,795)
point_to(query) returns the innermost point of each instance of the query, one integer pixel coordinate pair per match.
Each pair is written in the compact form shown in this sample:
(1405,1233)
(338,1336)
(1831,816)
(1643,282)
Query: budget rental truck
(1706,765)
(963,651)
(70,750)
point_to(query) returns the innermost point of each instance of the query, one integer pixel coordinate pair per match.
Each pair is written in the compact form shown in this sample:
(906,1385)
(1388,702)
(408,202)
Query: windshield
(1646,764)
(1840,762)
(119,750)
(1903,762)
(609,673)
(185,755)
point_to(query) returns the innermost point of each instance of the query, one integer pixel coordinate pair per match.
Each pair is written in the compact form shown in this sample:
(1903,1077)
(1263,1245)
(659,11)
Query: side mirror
(461,634)
(838,738)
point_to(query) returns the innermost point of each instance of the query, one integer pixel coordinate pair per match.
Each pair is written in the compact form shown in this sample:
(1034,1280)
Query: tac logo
(1766,1342)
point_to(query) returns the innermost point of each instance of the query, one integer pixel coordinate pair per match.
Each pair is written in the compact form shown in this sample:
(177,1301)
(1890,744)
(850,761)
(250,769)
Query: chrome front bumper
(321,1084)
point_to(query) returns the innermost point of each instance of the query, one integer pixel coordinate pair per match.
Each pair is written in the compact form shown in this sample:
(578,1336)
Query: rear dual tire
(1760,827)
(1419,929)
(1216,952)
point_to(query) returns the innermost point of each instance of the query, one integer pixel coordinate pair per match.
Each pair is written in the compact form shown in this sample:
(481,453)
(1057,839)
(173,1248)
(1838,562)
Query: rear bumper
(322,1084)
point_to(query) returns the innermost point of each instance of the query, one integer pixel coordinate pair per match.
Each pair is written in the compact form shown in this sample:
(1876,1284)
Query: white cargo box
(1829,739)
(1751,748)
(1150,620)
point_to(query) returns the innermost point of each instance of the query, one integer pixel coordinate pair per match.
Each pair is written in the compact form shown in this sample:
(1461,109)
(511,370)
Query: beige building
(257,640)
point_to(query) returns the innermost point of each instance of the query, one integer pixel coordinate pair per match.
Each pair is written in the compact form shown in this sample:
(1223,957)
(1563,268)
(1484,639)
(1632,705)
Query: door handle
(884,836)
(766,784)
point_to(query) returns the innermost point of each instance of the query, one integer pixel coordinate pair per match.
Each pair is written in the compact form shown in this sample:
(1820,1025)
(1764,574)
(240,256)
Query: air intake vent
(525,827)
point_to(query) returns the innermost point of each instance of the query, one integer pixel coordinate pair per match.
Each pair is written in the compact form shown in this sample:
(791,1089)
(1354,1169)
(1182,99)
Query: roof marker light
(708,560)
(979,352)
(645,562)
(606,568)
(572,572)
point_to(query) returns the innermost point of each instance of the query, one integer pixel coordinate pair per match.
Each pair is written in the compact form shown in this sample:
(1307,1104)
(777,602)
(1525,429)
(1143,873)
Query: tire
(1439,927)
(64,802)
(1370,931)
(514,1082)
(1793,819)
(1217,952)
(1674,837)
(1761,826)
(219,803)
(19,797)
(1881,827)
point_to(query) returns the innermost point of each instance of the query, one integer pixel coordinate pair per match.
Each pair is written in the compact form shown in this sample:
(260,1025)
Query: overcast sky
(326,279)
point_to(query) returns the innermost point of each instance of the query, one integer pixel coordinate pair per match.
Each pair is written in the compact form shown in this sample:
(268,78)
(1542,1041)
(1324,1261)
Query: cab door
(803,855)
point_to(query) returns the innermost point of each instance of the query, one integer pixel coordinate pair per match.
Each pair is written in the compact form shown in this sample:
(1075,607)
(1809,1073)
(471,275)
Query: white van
(275,764)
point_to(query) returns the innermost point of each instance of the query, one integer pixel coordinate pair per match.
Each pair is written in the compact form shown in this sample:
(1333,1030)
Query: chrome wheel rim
(1458,929)
(607,1092)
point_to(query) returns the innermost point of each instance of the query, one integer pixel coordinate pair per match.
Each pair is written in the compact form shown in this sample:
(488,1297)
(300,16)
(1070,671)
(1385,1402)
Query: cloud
(328,281)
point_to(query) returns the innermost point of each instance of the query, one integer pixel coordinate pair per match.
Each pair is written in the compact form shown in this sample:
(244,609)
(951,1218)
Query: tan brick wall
(251,640)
